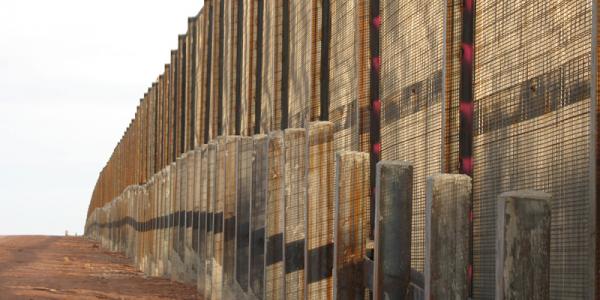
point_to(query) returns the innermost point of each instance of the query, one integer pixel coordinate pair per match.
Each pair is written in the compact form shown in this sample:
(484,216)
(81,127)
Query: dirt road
(42,267)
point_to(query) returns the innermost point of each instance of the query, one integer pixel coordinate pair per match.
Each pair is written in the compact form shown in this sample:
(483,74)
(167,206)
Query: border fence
(294,150)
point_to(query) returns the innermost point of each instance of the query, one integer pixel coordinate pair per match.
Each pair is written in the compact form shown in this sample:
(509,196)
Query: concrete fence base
(447,233)
(393,225)
(523,245)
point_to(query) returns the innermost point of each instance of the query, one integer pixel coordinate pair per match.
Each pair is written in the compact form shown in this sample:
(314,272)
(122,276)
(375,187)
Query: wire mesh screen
(211,185)
(412,45)
(274,271)
(244,196)
(260,169)
(200,68)
(300,63)
(315,60)
(295,199)
(454,28)
(343,67)
(249,60)
(229,66)
(219,206)
(216,65)
(320,212)
(352,206)
(232,145)
(532,130)
(271,65)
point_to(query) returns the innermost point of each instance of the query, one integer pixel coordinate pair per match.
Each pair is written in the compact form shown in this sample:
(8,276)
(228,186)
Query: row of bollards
(281,216)
(522,238)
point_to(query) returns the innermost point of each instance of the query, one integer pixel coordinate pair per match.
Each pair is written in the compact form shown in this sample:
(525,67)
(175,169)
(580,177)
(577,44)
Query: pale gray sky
(71,75)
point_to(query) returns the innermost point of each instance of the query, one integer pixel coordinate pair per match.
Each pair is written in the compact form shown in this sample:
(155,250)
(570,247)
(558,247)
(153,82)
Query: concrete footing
(523,245)
(393,223)
(447,232)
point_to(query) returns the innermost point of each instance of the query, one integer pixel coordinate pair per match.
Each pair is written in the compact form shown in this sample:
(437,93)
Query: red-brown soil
(43,267)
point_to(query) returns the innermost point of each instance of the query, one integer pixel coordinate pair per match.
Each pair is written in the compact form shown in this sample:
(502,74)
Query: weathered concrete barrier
(447,234)
(190,273)
(274,225)
(393,217)
(523,245)
(210,219)
(352,206)
(202,180)
(172,232)
(232,150)
(177,259)
(260,185)
(296,163)
(320,211)
(242,216)
(218,219)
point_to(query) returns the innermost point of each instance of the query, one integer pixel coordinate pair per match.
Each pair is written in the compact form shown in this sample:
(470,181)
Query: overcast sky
(71,75)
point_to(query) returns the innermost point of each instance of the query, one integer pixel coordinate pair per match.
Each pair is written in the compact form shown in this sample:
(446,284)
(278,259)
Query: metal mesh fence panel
(532,130)
(249,61)
(260,169)
(271,66)
(300,63)
(295,217)
(320,211)
(244,196)
(343,89)
(316,40)
(216,65)
(349,58)
(200,78)
(274,225)
(229,67)
(451,79)
(412,45)
(352,206)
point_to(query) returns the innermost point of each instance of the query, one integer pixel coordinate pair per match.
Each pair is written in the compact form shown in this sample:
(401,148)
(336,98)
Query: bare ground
(43,267)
